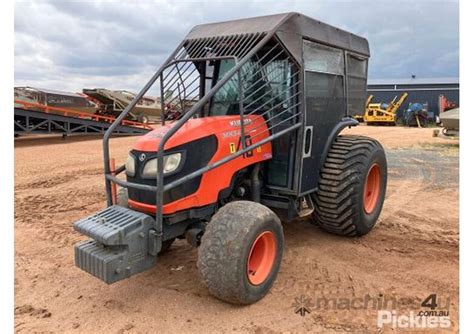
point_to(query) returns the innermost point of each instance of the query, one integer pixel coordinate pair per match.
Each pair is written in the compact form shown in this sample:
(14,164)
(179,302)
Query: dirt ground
(410,254)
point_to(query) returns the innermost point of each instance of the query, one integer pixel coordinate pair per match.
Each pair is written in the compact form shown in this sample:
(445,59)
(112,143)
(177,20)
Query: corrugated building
(421,90)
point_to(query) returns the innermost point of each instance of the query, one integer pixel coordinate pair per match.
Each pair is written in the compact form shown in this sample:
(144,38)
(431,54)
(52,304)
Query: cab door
(325,106)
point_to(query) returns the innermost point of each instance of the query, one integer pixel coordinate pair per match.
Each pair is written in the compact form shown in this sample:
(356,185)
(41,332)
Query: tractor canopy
(290,28)
(287,76)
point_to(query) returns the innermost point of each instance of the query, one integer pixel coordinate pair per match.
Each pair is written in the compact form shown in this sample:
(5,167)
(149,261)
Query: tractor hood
(221,126)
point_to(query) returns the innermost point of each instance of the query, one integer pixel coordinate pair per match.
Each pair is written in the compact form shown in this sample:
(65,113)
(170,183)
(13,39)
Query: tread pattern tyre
(342,202)
(226,251)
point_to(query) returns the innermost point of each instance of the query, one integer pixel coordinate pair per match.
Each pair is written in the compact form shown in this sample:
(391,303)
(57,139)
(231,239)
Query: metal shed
(421,90)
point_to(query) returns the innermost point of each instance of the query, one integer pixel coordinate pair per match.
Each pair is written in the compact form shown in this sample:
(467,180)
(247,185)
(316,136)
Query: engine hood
(221,126)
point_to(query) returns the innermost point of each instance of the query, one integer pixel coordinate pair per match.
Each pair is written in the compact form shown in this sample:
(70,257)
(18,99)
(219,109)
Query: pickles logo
(432,318)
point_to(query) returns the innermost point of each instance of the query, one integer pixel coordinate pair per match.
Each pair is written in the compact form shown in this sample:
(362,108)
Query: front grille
(198,153)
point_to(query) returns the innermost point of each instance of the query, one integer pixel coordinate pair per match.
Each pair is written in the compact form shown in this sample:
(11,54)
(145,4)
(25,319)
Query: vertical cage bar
(241,110)
(162,100)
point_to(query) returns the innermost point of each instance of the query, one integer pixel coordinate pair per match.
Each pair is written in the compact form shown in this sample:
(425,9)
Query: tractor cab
(260,103)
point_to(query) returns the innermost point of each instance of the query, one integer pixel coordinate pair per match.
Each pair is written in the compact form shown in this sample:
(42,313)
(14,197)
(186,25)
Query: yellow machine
(360,118)
(378,114)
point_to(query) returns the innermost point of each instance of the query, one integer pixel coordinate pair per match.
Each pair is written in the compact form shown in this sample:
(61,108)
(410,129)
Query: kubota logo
(237,122)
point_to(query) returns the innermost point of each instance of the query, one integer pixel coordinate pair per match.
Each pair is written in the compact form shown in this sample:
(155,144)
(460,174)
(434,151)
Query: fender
(343,123)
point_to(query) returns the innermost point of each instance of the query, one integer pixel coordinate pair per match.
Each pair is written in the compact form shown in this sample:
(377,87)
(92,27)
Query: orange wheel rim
(372,188)
(261,258)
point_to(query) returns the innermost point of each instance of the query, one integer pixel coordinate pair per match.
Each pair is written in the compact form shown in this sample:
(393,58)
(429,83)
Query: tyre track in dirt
(418,173)
(56,180)
(47,198)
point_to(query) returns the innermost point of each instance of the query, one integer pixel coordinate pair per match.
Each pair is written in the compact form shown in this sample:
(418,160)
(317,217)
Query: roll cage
(190,80)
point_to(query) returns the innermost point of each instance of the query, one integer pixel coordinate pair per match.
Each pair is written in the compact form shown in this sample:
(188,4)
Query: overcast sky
(69,45)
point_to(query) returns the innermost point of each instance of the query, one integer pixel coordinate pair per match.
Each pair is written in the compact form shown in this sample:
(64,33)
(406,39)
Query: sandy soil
(411,253)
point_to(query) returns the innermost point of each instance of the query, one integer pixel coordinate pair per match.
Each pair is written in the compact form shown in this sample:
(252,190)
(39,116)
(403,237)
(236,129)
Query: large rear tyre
(240,252)
(352,186)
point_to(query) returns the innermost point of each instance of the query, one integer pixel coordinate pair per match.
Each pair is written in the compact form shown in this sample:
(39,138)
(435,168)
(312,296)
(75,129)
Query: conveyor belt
(37,118)
(38,122)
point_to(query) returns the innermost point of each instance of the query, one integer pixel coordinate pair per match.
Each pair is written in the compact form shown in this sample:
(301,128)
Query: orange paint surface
(227,131)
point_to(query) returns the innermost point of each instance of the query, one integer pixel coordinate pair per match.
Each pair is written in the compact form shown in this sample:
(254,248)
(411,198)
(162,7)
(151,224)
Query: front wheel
(352,186)
(241,252)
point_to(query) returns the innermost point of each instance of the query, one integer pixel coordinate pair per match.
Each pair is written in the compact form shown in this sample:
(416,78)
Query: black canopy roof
(285,26)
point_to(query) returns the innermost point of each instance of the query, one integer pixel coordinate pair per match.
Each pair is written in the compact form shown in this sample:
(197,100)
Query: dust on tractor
(273,94)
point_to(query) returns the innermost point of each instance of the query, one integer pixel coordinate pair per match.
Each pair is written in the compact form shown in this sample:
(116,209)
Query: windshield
(260,85)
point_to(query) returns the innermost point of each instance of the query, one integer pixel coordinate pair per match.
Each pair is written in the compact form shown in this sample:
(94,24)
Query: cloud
(69,45)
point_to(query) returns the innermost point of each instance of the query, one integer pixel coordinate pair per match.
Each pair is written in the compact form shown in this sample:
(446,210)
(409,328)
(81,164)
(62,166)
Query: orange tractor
(272,95)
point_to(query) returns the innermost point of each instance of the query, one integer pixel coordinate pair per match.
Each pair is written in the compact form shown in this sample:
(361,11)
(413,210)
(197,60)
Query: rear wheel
(241,252)
(352,186)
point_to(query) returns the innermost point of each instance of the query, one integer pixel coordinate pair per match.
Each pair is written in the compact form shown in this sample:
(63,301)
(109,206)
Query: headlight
(130,165)
(171,162)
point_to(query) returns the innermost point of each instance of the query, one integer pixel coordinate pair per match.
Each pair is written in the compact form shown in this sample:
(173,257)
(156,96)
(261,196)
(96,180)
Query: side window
(356,84)
(324,77)
(323,59)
